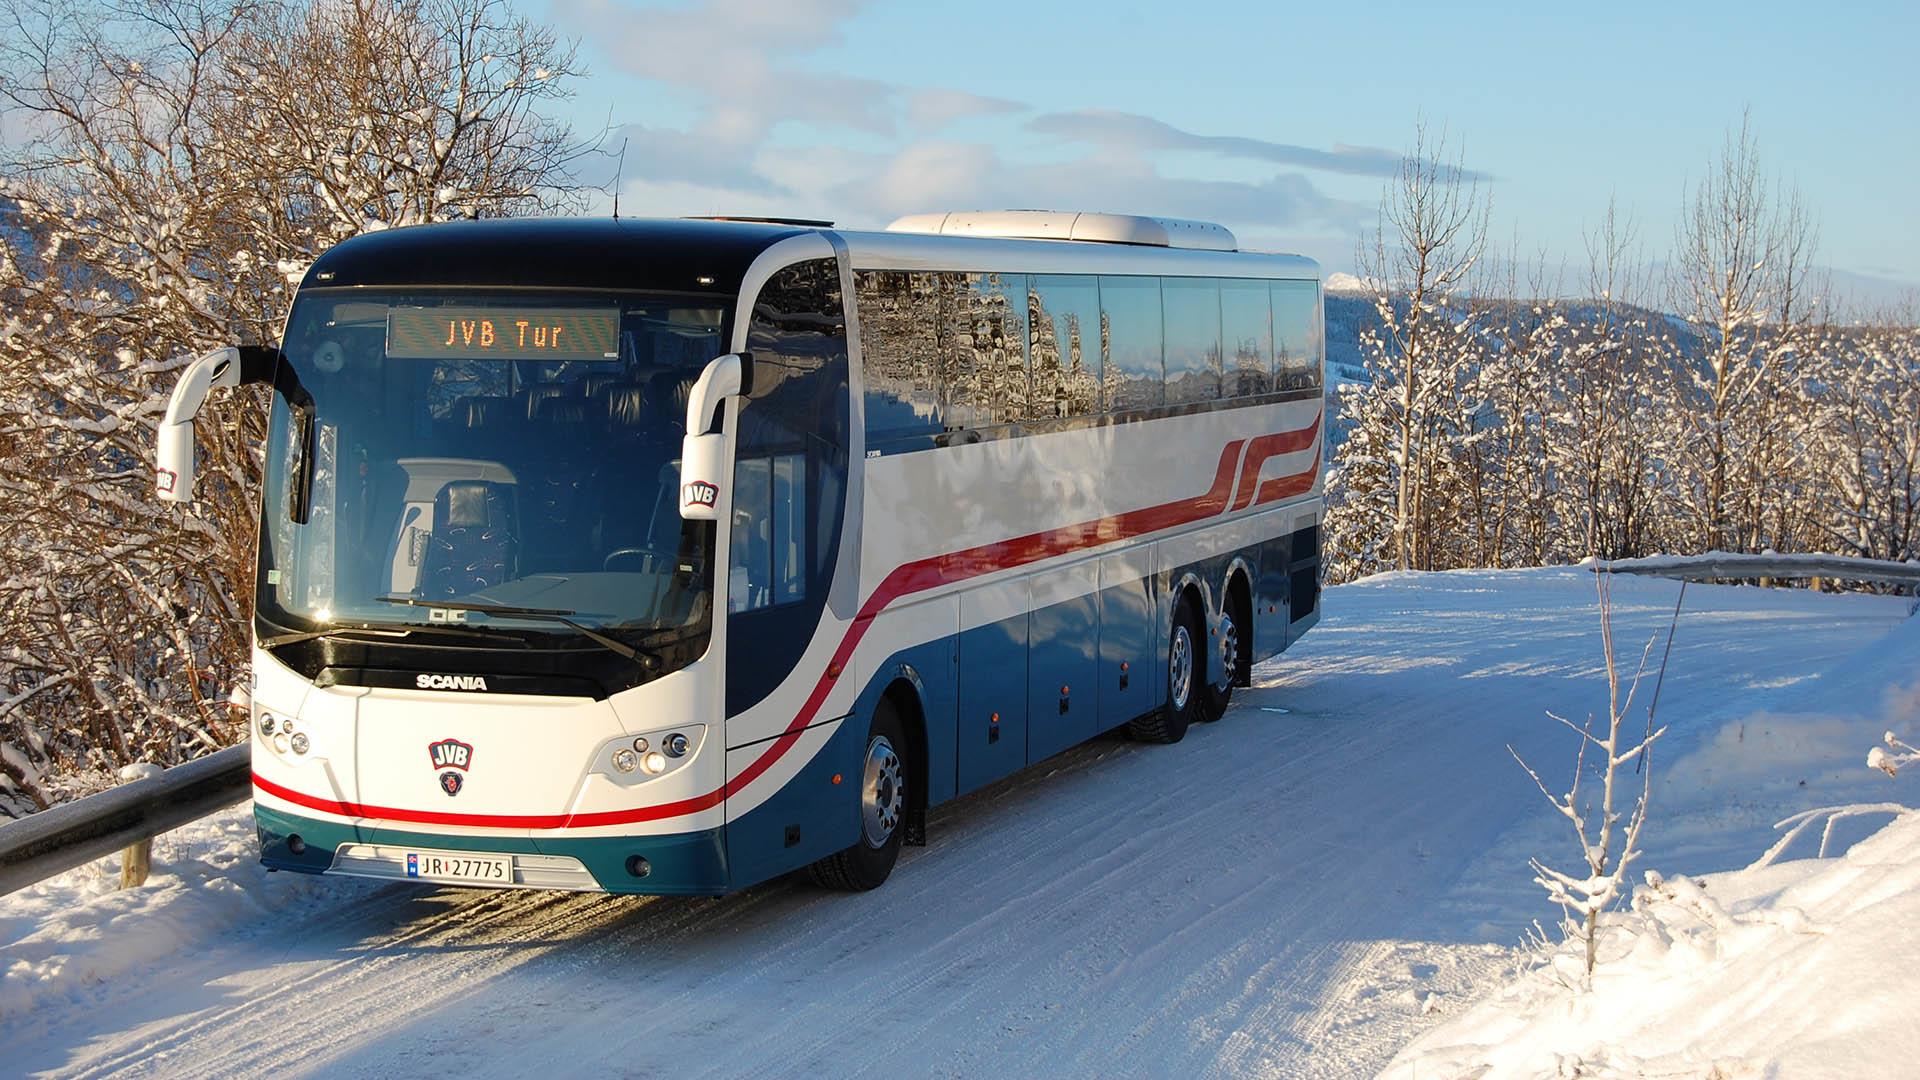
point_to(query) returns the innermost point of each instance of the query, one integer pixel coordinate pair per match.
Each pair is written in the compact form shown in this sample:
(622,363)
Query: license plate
(461,866)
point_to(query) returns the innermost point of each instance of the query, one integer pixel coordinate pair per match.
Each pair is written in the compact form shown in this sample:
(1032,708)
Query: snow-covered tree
(185,161)
(1431,231)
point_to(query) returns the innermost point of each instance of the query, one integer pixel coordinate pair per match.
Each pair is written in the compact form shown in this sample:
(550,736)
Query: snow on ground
(1335,868)
(1807,968)
(1801,969)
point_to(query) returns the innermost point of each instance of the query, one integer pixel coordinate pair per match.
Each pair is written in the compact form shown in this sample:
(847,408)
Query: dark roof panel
(581,253)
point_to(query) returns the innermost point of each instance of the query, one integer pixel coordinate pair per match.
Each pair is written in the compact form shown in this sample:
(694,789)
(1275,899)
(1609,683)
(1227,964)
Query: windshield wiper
(559,615)
(379,630)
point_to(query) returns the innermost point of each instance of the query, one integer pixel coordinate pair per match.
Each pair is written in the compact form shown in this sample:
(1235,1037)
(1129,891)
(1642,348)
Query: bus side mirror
(703,452)
(230,367)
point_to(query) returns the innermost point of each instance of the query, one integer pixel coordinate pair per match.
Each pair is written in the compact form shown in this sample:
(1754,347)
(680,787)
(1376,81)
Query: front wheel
(883,811)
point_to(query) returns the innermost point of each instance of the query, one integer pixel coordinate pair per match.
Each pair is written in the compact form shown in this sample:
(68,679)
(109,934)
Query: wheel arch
(905,692)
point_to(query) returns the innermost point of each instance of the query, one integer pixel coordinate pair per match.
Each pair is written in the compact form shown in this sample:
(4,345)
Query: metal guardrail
(1730,566)
(62,837)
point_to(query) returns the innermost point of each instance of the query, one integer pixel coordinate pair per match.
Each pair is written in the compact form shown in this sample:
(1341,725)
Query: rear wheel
(1186,673)
(883,811)
(1229,656)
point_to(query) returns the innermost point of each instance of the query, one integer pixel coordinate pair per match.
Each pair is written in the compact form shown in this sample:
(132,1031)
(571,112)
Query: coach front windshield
(516,450)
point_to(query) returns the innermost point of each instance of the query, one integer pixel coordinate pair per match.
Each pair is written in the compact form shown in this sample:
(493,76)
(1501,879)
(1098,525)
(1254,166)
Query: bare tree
(1607,831)
(186,161)
(1431,231)
(1741,255)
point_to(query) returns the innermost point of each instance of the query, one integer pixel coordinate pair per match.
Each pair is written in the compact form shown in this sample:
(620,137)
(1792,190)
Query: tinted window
(1296,333)
(991,360)
(1132,376)
(1246,337)
(900,353)
(1064,317)
(1194,362)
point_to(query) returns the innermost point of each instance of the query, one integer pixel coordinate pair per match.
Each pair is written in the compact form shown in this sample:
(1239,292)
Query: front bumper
(679,864)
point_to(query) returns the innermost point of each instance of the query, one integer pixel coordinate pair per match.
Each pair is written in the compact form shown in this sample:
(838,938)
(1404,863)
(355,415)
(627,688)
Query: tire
(1186,664)
(882,810)
(1229,656)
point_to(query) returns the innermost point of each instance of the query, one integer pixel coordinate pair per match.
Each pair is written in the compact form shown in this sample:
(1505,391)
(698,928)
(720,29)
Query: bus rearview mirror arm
(703,450)
(229,368)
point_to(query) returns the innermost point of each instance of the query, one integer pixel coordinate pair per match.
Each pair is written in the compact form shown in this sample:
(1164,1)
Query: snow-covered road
(1296,890)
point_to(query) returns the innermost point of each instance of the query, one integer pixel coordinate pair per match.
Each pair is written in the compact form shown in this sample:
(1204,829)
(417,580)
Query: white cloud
(742,66)
(1143,134)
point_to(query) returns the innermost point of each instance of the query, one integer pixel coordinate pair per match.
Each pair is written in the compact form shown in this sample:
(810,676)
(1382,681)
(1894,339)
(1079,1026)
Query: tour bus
(668,556)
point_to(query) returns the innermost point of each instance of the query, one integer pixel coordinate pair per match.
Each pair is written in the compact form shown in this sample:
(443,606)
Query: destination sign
(504,333)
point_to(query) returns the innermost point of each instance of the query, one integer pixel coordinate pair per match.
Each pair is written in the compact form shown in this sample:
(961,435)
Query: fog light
(296,845)
(640,745)
(654,762)
(638,866)
(675,745)
(299,743)
(267,727)
(625,760)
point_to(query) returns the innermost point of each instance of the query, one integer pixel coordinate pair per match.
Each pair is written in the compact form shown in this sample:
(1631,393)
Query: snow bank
(1801,969)
(79,929)
(1797,969)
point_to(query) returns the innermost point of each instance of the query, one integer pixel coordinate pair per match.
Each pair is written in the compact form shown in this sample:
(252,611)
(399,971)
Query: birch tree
(186,161)
(1431,231)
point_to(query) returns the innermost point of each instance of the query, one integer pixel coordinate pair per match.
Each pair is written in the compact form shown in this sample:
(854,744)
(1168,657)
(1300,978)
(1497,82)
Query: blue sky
(1276,119)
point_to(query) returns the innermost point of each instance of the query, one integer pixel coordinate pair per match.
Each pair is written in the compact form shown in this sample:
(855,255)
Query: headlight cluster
(278,732)
(652,755)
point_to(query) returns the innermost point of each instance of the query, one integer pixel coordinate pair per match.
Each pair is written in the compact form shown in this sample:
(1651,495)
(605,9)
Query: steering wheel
(651,552)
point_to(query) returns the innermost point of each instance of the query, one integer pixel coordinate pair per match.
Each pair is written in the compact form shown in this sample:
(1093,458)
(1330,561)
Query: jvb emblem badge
(699,493)
(451,757)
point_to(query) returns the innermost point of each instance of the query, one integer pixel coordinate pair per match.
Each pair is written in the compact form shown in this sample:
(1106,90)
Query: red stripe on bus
(905,580)
(1266,446)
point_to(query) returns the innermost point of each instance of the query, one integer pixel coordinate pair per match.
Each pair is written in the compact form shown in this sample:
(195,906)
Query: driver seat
(475,540)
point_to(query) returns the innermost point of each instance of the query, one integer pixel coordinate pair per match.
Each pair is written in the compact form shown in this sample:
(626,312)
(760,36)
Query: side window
(900,356)
(1246,319)
(1131,376)
(1194,361)
(1063,313)
(1296,335)
(790,478)
(790,460)
(989,361)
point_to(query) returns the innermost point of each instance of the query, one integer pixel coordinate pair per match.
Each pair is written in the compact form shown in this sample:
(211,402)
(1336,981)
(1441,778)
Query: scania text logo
(450,682)
(699,493)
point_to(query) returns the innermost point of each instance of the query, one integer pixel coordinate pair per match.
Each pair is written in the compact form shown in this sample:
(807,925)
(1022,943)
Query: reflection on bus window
(1192,307)
(1130,332)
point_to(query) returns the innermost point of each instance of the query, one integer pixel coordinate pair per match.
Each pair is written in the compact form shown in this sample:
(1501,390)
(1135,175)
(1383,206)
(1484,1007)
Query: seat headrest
(591,384)
(624,405)
(670,391)
(465,503)
(534,396)
(563,410)
(488,412)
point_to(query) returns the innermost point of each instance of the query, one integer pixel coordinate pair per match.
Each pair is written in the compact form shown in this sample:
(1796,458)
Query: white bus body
(978,499)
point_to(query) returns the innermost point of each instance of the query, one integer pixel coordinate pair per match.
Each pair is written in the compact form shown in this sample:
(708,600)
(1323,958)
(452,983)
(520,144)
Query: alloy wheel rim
(882,793)
(1180,667)
(1229,650)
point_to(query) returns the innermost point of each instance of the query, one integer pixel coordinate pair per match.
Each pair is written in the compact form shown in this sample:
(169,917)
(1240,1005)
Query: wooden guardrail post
(136,860)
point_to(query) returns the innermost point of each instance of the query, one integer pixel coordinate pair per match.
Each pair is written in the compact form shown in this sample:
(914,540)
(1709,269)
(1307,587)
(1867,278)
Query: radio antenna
(619,168)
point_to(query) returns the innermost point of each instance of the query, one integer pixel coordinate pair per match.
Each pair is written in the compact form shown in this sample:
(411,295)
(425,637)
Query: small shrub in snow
(1892,762)
(1609,838)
